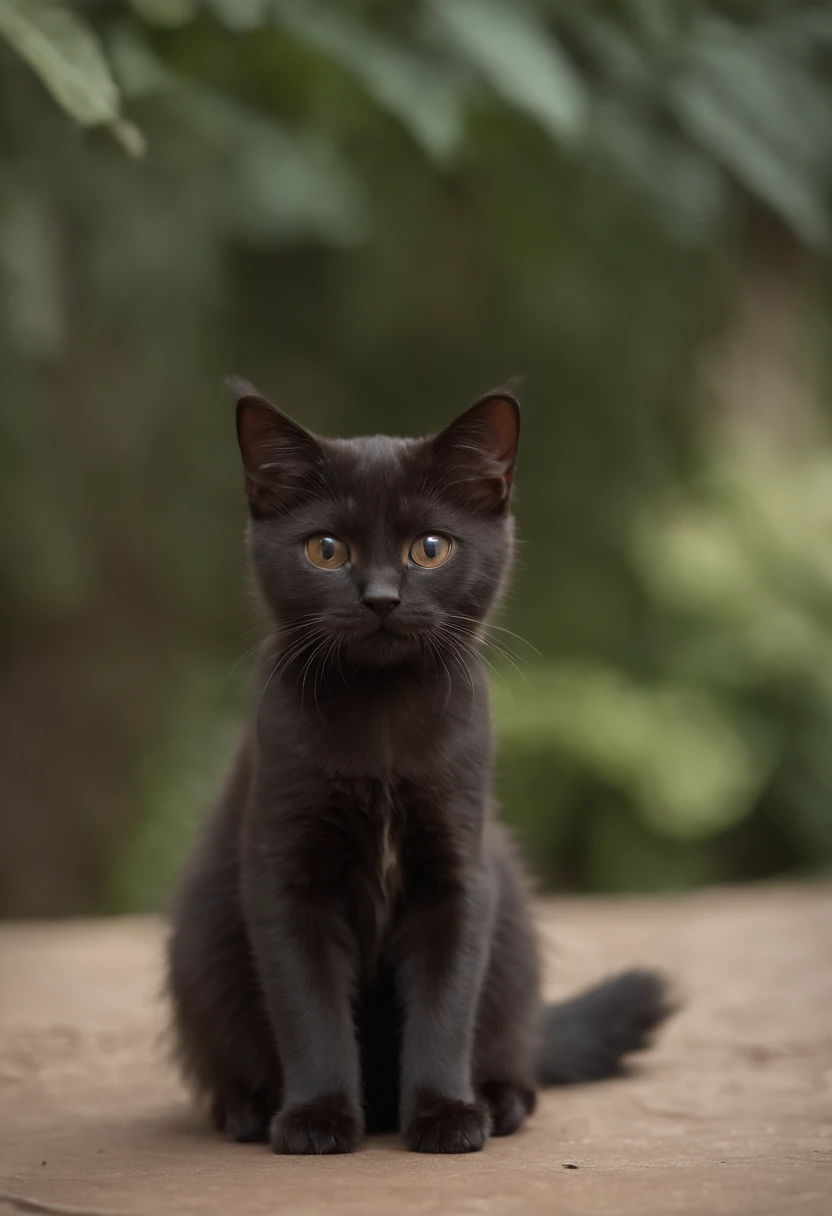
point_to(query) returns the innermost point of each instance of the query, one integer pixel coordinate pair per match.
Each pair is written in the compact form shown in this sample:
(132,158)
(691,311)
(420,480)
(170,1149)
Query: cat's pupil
(431,547)
(327,548)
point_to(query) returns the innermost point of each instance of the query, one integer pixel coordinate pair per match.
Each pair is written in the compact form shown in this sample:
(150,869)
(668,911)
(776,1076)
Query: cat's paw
(509,1105)
(448,1126)
(247,1122)
(316,1128)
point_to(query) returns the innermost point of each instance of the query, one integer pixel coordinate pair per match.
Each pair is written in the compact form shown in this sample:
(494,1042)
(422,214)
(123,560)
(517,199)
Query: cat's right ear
(281,459)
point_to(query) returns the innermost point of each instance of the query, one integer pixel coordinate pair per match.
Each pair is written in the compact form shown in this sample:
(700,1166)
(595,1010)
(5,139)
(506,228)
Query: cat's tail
(586,1037)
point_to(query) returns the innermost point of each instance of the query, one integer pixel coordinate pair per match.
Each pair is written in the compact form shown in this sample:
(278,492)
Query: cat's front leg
(305,961)
(444,948)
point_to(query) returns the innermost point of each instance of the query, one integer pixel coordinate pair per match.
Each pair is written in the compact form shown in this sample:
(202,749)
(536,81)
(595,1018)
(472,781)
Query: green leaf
(706,768)
(171,14)
(685,184)
(33,313)
(754,162)
(518,57)
(764,118)
(271,184)
(139,71)
(690,765)
(422,94)
(238,15)
(66,54)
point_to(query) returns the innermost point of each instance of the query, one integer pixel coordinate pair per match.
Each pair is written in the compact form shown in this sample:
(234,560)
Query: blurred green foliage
(376,211)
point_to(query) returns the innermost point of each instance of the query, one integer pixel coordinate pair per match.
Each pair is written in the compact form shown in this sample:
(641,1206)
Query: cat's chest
(403,835)
(388,868)
(397,736)
(378,818)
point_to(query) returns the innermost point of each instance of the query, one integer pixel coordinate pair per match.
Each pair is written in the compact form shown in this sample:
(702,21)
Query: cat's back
(208,885)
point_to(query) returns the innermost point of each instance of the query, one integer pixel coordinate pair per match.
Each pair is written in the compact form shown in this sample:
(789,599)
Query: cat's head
(383,548)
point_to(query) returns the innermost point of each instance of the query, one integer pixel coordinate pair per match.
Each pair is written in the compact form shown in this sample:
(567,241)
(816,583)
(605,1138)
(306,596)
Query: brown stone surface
(732,1113)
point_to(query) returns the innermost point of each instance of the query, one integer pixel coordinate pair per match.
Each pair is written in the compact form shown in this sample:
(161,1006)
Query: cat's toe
(448,1126)
(247,1122)
(247,1125)
(509,1105)
(315,1128)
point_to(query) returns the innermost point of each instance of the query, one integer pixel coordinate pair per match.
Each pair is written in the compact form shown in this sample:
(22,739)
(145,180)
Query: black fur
(352,946)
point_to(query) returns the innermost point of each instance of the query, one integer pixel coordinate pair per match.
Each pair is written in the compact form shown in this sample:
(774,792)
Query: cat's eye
(430,551)
(326,552)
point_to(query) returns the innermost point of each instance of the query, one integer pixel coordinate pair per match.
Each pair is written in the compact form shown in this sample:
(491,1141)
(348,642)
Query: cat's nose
(382,602)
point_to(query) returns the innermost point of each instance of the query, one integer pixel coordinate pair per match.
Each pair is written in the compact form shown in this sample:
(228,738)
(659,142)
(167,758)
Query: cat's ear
(281,459)
(473,458)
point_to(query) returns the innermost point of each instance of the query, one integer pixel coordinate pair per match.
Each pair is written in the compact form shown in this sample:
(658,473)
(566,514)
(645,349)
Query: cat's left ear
(473,458)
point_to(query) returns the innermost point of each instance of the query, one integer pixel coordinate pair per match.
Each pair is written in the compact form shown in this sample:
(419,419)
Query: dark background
(376,212)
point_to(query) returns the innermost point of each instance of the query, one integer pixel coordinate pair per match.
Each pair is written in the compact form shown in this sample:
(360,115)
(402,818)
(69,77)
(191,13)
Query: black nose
(381,602)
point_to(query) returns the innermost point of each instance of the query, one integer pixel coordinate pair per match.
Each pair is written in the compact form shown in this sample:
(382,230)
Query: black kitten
(352,945)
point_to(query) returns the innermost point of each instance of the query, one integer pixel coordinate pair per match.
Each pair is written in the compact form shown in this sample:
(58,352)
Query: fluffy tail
(585,1038)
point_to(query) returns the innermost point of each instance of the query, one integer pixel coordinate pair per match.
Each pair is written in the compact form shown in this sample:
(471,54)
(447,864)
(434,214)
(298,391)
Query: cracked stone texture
(731,1113)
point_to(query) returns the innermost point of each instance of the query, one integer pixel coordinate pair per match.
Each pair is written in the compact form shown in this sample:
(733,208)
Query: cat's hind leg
(222,1038)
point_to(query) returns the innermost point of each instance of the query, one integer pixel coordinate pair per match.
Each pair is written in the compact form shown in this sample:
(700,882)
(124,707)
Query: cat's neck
(433,682)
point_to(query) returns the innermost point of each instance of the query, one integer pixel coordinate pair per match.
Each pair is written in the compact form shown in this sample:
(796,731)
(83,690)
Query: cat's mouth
(375,630)
(386,634)
(382,642)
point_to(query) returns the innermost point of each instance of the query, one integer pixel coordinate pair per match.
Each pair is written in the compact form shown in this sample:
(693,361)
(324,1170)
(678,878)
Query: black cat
(352,945)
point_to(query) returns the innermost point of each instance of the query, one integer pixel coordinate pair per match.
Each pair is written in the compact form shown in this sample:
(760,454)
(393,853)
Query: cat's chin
(383,648)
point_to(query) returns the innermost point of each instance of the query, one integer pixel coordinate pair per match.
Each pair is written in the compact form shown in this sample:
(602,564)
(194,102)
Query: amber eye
(326,552)
(430,551)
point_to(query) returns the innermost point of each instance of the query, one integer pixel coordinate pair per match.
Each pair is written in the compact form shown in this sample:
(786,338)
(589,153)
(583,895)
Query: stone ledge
(730,1114)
